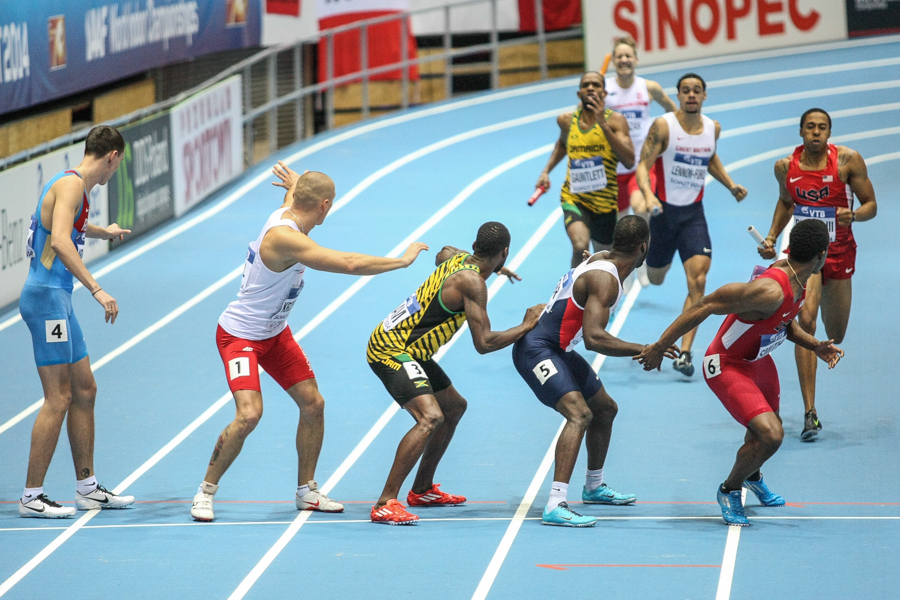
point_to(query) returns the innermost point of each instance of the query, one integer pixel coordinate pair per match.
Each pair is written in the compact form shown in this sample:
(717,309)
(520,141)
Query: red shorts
(746,389)
(840,265)
(280,356)
(628,185)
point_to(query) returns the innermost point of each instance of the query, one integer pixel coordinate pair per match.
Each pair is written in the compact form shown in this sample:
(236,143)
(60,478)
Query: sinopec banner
(207,143)
(140,193)
(54,48)
(673,30)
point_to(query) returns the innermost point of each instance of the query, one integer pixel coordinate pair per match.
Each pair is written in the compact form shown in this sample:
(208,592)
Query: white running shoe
(43,507)
(316,500)
(202,509)
(101,498)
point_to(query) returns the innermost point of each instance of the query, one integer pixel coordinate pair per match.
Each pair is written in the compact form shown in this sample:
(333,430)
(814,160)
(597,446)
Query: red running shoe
(434,497)
(392,513)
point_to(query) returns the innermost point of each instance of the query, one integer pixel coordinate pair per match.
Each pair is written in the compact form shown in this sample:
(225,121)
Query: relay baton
(538,192)
(605,66)
(756,236)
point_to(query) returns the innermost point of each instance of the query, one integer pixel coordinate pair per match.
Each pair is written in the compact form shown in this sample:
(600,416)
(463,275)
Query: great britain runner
(253,332)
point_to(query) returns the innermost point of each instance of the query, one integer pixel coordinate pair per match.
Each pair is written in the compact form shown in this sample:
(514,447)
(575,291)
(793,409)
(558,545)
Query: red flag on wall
(384,44)
(558,14)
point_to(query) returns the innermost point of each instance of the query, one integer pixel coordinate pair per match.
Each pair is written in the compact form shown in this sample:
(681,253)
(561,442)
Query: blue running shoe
(563,516)
(732,508)
(606,495)
(765,495)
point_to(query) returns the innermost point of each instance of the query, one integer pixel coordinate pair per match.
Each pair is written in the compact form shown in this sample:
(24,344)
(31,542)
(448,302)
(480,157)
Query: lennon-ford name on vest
(688,169)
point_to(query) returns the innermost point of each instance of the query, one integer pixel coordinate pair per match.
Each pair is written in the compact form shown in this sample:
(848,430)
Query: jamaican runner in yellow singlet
(593,139)
(401,351)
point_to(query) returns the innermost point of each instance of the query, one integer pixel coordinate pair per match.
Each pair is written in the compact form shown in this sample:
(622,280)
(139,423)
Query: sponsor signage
(872,17)
(22,188)
(55,48)
(207,143)
(141,191)
(674,30)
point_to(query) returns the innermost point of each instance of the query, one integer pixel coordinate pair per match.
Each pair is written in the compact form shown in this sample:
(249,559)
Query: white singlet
(681,170)
(634,104)
(266,298)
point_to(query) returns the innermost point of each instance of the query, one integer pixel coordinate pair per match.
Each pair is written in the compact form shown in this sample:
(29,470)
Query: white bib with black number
(587,175)
(712,366)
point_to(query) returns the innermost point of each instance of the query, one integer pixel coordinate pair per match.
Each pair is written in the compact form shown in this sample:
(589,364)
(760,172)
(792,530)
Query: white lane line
(302,518)
(795,121)
(726,574)
(490,574)
(342,521)
(397,251)
(138,338)
(804,95)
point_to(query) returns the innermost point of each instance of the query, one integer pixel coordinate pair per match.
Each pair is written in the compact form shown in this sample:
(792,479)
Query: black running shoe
(683,364)
(811,426)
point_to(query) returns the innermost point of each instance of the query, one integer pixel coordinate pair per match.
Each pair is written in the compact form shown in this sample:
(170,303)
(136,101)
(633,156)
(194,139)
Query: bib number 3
(712,366)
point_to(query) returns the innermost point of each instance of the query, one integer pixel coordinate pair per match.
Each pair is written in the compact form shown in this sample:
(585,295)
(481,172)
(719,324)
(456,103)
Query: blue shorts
(55,332)
(551,373)
(681,228)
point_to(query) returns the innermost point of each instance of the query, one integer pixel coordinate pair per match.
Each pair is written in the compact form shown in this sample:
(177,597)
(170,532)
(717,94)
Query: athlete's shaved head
(631,231)
(493,238)
(808,239)
(811,111)
(591,75)
(312,188)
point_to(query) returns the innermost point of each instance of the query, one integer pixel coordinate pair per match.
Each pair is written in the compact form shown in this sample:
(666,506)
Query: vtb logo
(812,195)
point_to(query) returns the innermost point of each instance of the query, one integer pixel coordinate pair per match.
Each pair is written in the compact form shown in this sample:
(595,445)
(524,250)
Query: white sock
(86,486)
(208,488)
(559,491)
(594,479)
(302,490)
(31,493)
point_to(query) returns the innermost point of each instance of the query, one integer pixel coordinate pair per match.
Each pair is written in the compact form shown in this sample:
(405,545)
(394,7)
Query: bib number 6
(712,366)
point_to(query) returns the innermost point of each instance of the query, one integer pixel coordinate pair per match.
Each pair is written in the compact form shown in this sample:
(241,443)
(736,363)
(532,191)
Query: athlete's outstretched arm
(283,242)
(784,210)
(475,296)
(602,290)
(655,144)
(106,233)
(761,298)
(826,350)
(289,179)
(617,133)
(858,178)
(68,192)
(718,172)
(657,93)
(559,150)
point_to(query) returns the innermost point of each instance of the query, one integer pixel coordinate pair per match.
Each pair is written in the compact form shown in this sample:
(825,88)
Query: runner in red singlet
(818,181)
(737,366)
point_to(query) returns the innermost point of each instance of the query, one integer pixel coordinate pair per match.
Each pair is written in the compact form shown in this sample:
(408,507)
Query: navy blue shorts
(55,333)
(551,373)
(681,228)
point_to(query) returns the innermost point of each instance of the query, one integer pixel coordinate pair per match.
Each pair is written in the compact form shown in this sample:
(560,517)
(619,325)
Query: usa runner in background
(681,149)
(253,332)
(818,181)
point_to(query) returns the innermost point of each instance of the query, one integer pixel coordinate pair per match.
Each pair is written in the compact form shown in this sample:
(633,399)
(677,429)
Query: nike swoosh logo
(41,509)
(313,505)
(793,179)
(104,501)
(786,314)
(566,518)
(707,250)
(850,270)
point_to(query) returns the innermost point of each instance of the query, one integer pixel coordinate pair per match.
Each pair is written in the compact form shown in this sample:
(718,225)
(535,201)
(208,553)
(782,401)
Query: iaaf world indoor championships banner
(54,48)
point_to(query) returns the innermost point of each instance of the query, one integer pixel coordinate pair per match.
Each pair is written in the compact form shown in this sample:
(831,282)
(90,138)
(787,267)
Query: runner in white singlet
(681,149)
(253,332)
